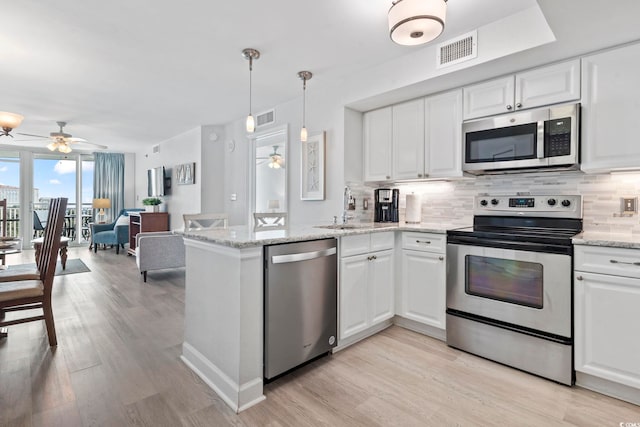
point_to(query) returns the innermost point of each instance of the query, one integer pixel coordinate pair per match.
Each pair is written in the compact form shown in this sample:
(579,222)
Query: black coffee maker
(386,205)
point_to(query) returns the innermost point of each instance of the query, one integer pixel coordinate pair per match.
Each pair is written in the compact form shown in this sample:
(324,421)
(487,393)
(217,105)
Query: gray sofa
(158,251)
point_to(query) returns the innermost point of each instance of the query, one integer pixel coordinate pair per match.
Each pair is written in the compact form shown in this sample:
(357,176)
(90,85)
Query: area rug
(74,265)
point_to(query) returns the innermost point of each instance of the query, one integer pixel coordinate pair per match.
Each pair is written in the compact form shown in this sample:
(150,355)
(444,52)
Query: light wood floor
(117,364)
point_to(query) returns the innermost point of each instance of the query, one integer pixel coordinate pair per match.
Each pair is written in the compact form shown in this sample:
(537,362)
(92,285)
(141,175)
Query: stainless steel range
(509,283)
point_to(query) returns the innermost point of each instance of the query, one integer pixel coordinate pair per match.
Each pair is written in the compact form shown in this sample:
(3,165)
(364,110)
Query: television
(156,182)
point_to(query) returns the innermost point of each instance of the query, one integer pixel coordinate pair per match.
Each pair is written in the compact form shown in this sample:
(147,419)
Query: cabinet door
(548,85)
(377,145)
(408,140)
(424,287)
(443,135)
(489,98)
(607,327)
(610,110)
(381,286)
(354,295)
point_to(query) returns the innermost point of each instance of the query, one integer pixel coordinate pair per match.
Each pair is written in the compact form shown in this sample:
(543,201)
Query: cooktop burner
(551,220)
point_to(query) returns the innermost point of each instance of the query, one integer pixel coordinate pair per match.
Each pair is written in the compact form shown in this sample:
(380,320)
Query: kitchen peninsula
(224,312)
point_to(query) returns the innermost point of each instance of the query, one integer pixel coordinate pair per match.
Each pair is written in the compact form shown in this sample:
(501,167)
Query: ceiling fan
(276,161)
(60,140)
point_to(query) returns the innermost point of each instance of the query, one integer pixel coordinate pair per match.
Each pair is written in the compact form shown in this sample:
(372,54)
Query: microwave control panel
(557,137)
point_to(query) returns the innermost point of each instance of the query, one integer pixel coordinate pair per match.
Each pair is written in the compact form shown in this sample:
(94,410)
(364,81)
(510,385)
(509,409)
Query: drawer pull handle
(423,241)
(579,278)
(371,258)
(441,258)
(613,261)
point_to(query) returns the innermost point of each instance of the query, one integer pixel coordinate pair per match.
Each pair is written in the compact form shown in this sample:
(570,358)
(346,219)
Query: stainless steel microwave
(539,138)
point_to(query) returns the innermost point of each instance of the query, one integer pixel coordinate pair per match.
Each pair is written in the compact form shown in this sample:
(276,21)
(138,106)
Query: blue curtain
(108,180)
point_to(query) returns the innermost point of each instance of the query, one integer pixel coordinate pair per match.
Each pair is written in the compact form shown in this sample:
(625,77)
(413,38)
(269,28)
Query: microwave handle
(541,141)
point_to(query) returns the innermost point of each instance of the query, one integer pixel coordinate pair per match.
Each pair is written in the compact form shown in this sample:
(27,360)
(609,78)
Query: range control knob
(552,202)
(494,202)
(566,203)
(483,202)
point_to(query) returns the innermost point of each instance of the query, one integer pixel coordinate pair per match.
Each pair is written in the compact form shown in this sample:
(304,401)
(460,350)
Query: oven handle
(615,261)
(509,244)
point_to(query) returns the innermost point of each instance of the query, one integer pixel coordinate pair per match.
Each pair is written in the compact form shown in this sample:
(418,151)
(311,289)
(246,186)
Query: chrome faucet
(348,202)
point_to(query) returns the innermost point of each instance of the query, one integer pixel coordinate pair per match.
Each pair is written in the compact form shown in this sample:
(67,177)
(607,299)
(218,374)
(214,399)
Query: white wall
(181,199)
(214,147)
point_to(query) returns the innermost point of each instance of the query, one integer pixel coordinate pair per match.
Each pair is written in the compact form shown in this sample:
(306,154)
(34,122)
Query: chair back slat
(205,221)
(3,210)
(51,242)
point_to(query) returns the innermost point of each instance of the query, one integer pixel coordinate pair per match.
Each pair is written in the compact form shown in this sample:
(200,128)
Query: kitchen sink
(344,226)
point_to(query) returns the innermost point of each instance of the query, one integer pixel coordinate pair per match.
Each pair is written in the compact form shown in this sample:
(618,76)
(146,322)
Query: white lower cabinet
(366,282)
(607,319)
(423,290)
(423,279)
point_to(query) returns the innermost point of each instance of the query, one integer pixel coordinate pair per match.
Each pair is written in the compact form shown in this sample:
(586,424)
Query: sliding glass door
(70,176)
(28,180)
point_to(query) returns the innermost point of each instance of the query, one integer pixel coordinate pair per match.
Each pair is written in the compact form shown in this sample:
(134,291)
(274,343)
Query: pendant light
(304,75)
(413,22)
(250,54)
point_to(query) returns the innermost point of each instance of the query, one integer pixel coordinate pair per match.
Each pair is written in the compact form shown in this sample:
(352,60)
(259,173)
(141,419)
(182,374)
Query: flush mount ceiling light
(8,122)
(304,75)
(250,54)
(413,22)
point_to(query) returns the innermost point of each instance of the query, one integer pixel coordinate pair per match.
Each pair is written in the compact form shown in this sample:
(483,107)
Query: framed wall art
(312,167)
(186,173)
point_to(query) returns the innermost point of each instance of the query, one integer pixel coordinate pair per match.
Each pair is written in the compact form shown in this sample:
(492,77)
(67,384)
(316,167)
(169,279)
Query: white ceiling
(124,73)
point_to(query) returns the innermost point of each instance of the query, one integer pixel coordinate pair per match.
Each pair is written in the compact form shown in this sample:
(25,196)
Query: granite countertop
(243,236)
(614,240)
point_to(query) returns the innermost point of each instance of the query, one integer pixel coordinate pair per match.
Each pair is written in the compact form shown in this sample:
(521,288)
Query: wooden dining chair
(36,294)
(3,222)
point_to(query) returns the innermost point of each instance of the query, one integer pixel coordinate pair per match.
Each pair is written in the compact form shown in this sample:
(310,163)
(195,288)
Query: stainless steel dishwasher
(300,303)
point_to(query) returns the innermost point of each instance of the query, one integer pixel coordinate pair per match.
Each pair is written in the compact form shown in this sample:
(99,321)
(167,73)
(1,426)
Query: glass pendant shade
(304,76)
(303,134)
(251,124)
(52,146)
(413,22)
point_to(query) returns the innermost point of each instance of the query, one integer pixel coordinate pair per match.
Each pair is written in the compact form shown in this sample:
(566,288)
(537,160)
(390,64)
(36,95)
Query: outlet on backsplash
(628,207)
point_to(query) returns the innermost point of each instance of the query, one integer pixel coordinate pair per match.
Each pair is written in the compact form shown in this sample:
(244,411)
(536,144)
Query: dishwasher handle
(303,256)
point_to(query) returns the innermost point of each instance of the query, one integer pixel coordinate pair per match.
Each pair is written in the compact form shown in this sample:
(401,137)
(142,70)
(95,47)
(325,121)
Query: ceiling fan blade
(28,134)
(76,140)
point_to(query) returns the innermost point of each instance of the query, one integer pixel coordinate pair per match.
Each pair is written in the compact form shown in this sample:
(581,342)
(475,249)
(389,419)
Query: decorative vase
(151,208)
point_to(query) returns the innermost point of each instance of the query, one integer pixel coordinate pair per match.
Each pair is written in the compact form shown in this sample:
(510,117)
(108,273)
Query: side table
(64,243)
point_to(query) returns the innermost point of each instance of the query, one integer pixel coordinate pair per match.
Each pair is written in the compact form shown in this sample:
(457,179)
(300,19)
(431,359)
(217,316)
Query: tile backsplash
(453,200)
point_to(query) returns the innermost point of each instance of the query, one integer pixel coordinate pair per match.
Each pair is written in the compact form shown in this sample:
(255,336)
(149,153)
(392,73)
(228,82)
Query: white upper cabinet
(408,140)
(423,137)
(548,85)
(443,135)
(377,144)
(610,110)
(488,98)
(542,86)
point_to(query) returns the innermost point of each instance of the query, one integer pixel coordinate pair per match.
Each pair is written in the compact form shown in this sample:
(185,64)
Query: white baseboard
(237,397)
(344,343)
(609,388)
(420,328)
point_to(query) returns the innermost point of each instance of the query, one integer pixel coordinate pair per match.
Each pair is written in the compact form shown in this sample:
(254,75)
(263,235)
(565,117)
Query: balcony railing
(41,209)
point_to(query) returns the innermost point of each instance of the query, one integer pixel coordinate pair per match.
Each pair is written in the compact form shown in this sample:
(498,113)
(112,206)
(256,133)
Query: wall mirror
(270,171)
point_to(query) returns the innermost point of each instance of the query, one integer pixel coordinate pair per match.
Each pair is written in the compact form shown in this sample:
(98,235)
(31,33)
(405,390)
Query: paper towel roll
(414,209)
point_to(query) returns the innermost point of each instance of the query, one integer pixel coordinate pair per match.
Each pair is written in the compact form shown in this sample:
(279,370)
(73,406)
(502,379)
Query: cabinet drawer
(382,241)
(354,245)
(604,260)
(426,242)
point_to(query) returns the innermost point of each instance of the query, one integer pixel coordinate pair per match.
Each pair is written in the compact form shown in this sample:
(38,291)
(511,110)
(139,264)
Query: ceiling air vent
(155,149)
(458,50)
(266,118)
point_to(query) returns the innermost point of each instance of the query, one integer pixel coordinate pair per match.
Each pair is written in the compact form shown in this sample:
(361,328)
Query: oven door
(522,288)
